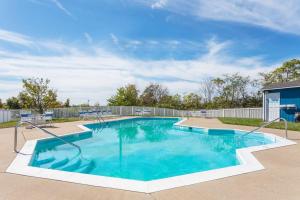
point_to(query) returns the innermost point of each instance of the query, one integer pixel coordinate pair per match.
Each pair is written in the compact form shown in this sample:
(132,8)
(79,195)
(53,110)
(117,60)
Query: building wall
(289,96)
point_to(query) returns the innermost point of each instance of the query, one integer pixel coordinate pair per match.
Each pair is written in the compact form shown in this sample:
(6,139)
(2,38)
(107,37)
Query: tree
(38,95)
(154,95)
(191,101)
(126,96)
(67,103)
(207,88)
(1,104)
(169,101)
(232,90)
(25,100)
(176,101)
(13,103)
(289,71)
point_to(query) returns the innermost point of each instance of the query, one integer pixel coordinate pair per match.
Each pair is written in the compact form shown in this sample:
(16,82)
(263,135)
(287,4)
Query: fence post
(234,112)
(121,110)
(164,112)
(223,110)
(132,110)
(154,111)
(249,115)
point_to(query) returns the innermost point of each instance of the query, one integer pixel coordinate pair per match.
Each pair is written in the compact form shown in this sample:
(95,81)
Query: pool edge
(249,163)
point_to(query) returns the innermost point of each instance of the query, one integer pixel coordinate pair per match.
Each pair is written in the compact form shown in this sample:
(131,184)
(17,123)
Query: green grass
(258,122)
(58,120)
(8,124)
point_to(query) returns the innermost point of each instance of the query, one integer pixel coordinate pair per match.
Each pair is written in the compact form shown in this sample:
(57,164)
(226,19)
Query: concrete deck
(280,179)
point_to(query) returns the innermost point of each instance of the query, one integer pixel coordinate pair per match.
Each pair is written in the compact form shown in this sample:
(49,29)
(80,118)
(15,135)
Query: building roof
(274,86)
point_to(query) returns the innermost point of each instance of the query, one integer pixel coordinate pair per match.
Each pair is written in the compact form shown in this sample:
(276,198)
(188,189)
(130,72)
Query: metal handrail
(270,122)
(45,131)
(99,117)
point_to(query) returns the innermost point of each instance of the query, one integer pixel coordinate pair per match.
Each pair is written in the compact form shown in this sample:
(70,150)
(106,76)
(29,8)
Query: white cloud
(274,14)
(159,4)
(61,7)
(114,38)
(15,38)
(96,74)
(214,47)
(88,37)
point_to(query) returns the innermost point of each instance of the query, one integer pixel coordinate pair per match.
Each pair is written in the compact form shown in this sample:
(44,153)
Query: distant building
(282,100)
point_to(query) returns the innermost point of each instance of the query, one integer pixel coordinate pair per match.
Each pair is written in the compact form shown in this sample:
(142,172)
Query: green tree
(67,103)
(169,101)
(154,95)
(232,90)
(38,95)
(126,96)
(176,101)
(191,101)
(1,104)
(289,71)
(13,103)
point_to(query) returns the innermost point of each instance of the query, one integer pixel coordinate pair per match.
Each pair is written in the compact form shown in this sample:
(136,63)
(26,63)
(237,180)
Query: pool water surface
(144,149)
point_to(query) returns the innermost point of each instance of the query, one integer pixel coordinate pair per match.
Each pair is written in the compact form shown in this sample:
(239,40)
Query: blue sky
(90,48)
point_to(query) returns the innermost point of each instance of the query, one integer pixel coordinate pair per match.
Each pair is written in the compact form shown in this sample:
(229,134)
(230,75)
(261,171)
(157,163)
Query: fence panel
(5,115)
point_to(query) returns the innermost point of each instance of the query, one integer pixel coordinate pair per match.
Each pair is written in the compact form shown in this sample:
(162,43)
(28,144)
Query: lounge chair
(146,111)
(138,111)
(48,117)
(143,111)
(26,117)
(203,113)
(106,113)
(89,114)
(83,115)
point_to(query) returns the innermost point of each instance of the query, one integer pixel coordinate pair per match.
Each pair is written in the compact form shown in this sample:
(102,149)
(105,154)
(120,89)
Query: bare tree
(207,89)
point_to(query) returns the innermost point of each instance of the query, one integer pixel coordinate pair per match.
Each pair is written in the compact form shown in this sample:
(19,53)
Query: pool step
(71,165)
(86,168)
(44,161)
(59,163)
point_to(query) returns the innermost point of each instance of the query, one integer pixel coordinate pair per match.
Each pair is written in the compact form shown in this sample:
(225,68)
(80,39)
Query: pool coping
(248,164)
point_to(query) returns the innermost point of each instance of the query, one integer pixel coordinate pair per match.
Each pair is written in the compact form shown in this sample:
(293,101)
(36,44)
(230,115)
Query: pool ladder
(100,118)
(43,130)
(268,123)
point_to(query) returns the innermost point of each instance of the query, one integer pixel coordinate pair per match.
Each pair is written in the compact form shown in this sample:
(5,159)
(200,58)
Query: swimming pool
(144,149)
(147,150)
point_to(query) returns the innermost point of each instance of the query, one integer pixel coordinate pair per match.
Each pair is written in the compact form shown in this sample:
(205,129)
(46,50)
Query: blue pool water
(144,149)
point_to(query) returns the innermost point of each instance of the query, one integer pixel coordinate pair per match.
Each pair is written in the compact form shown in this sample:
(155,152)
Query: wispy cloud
(159,4)
(15,38)
(88,38)
(273,14)
(61,7)
(214,47)
(114,38)
(95,75)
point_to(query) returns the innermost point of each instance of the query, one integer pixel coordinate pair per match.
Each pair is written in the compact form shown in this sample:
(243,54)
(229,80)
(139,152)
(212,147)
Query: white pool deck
(249,163)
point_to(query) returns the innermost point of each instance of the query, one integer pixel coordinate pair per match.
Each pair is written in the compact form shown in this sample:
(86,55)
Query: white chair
(146,111)
(107,112)
(203,113)
(83,114)
(48,117)
(26,117)
(138,111)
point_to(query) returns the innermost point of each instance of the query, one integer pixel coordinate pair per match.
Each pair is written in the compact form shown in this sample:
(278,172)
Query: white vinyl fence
(8,115)
(119,110)
(233,112)
(5,115)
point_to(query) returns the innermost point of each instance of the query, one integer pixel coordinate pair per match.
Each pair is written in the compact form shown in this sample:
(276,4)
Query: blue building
(282,100)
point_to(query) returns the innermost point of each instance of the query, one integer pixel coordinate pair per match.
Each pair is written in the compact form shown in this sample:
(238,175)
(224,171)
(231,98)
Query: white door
(273,100)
